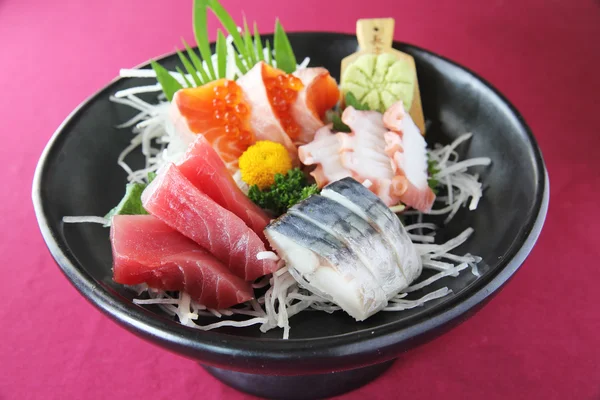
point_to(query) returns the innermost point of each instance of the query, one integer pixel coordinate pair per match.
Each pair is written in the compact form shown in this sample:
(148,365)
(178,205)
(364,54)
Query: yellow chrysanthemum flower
(261,161)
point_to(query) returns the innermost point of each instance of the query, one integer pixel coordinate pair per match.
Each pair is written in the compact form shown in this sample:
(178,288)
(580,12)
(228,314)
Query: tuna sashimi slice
(203,167)
(146,250)
(178,203)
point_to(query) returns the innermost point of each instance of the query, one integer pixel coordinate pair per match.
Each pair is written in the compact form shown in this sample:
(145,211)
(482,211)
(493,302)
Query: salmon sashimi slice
(269,91)
(320,93)
(219,112)
(146,250)
(385,152)
(202,166)
(178,203)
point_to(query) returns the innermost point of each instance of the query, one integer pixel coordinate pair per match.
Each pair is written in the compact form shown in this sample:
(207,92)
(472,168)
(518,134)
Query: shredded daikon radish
(267,255)
(86,219)
(398,208)
(403,304)
(449,272)
(460,185)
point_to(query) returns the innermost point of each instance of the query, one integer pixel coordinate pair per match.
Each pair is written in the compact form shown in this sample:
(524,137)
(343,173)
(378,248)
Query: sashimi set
(268,189)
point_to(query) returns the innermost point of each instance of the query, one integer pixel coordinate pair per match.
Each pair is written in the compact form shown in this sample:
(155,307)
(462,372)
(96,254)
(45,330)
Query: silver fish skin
(359,235)
(353,195)
(326,266)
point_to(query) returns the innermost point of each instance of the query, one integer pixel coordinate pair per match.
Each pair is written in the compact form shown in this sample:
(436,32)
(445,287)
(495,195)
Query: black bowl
(78,175)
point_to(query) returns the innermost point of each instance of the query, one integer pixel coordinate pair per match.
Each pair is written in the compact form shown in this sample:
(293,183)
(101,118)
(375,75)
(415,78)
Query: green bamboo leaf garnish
(169,84)
(201,33)
(228,23)
(258,44)
(221,49)
(185,79)
(189,68)
(239,63)
(200,71)
(269,59)
(250,50)
(284,55)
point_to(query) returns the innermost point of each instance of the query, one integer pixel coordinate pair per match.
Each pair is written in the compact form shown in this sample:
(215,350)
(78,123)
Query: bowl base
(305,387)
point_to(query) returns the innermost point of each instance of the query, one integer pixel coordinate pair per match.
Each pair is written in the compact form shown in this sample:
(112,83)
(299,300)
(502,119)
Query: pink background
(539,338)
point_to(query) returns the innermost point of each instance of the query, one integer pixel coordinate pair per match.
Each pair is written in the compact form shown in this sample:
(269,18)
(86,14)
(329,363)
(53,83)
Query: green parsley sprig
(287,190)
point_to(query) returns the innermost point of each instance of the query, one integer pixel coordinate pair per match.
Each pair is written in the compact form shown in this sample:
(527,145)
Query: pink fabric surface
(537,339)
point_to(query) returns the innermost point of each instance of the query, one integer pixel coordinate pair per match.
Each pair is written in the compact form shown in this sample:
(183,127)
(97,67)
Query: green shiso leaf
(432,170)
(351,100)
(221,48)
(338,124)
(169,84)
(131,203)
(284,55)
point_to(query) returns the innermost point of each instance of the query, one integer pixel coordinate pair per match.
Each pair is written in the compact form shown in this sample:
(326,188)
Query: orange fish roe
(282,90)
(218,111)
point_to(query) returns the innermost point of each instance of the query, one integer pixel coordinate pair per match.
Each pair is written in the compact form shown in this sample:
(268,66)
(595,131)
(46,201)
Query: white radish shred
(267,255)
(86,219)
(459,183)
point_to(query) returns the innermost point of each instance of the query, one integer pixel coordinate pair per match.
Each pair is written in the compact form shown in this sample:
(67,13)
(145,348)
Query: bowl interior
(80,176)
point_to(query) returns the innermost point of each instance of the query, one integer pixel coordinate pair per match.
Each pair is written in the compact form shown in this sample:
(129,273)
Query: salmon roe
(217,109)
(282,91)
(231,111)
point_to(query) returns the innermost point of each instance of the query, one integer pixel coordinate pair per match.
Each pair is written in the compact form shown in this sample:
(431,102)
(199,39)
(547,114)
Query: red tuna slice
(203,167)
(146,250)
(178,203)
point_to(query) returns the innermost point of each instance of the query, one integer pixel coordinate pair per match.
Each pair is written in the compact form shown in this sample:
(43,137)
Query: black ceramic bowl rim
(291,356)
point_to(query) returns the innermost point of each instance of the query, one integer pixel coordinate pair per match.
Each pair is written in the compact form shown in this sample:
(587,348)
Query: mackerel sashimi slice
(203,167)
(146,250)
(178,203)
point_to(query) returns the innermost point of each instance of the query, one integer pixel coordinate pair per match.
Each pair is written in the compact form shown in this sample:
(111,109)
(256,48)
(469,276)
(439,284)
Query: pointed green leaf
(187,82)
(230,25)
(197,63)
(284,55)
(258,44)
(239,63)
(221,54)
(201,33)
(251,51)
(189,68)
(169,84)
(269,59)
(351,100)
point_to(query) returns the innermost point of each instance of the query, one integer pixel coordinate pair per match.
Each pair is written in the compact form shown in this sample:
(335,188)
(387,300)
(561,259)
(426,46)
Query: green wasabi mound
(379,81)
